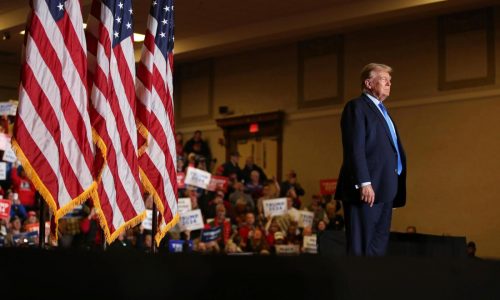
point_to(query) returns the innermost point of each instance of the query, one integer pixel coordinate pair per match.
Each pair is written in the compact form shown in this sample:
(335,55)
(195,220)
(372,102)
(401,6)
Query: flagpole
(41,225)
(154,228)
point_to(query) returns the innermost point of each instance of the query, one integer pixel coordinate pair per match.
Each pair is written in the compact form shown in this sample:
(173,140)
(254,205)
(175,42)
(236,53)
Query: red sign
(218,183)
(5,209)
(327,186)
(180,180)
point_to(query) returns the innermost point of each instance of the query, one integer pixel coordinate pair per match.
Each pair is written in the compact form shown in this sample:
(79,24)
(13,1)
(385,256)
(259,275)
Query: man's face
(379,85)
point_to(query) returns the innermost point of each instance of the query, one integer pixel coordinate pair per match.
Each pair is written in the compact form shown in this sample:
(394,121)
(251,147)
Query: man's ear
(368,83)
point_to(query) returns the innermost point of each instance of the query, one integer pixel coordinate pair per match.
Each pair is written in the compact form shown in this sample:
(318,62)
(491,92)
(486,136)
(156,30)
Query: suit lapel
(381,118)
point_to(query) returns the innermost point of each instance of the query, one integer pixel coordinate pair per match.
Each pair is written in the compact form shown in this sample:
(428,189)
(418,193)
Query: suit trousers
(367,228)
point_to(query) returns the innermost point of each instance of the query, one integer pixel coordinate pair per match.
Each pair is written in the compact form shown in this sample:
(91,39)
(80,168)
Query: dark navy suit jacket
(369,155)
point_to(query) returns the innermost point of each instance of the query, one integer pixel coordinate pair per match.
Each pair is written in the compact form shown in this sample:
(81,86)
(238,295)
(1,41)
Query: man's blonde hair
(368,72)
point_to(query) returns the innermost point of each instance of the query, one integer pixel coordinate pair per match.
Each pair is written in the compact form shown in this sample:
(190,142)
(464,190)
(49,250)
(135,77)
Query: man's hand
(367,194)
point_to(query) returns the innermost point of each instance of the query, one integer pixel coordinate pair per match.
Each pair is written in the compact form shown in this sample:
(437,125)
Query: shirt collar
(374,100)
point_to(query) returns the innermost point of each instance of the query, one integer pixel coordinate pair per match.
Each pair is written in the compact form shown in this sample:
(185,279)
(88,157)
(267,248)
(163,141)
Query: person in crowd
(317,209)
(335,219)
(16,208)
(92,236)
(251,166)
(257,242)
(14,228)
(246,230)
(471,249)
(372,179)
(222,221)
(291,188)
(231,167)
(254,188)
(271,190)
(218,198)
(31,219)
(179,144)
(272,227)
(293,236)
(239,193)
(198,146)
(232,247)
(23,187)
(240,210)
(293,213)
(147,242)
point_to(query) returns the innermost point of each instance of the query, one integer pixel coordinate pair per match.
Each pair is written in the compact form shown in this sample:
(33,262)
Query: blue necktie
(393,134)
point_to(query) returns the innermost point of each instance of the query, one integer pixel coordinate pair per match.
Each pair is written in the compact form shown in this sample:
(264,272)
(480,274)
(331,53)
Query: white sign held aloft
(184,205)
(191,220)
(310,244)
(3,170)
(197,177)
(275,207)
(9,155)
(306,218)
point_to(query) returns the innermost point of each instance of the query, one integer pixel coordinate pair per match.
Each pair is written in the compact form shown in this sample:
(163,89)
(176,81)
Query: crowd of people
(237,210)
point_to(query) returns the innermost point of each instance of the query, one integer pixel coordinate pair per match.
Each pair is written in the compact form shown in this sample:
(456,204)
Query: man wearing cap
(372,178)
(231,167)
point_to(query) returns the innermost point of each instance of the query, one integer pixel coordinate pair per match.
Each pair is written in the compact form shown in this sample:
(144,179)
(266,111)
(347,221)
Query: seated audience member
(198,146)
(23,187)
(239,212)
(253,187)
(272,227)
(239,193)
(14,228)
(31,219)
(292,184)
(231,167)
(293,236)
(251,166)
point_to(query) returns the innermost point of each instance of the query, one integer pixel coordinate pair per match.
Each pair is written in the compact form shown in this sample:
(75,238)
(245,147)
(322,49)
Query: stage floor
(130,275)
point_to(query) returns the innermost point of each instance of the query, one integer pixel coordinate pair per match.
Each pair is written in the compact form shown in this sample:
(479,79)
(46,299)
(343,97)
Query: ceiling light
(139,37)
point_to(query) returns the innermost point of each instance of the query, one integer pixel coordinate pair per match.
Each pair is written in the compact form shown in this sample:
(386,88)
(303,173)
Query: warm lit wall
(451,137)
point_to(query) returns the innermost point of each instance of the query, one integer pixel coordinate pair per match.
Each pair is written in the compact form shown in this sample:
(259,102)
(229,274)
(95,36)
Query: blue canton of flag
(123,22)
(163,12)
(56,8)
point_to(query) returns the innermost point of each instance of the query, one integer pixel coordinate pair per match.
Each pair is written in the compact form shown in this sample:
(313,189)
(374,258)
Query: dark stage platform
(131,275)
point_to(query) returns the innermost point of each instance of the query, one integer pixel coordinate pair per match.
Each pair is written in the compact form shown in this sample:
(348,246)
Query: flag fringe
(145,133)
(104,224)
(99,142)
(148,186)
(44,192)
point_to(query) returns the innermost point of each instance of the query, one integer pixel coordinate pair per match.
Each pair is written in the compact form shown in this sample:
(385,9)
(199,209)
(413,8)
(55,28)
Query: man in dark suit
(372,179)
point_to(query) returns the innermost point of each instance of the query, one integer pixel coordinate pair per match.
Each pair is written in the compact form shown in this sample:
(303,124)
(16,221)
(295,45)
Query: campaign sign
(8,108)
(5,209)
(327,186)
(218,183)
(177,246)
(25,238)
(305,218)
(184,205)
(147,223)
(310,244)
(3,170)
(287,249)
(181,176)
(4,141)
(198,178)
(191,220)
(9,155)
(275,207)
(212,234)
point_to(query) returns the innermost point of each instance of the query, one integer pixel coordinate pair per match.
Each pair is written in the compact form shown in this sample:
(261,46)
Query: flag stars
(131,11)
(120,5)
(128,25)
(162,34)
(60,6)
(164,21)
(116,34)
(166,8)
(154,3)
(118,20)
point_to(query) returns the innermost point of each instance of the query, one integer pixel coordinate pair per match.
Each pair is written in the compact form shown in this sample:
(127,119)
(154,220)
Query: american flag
(156,113)
(111,66)
(52,136)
